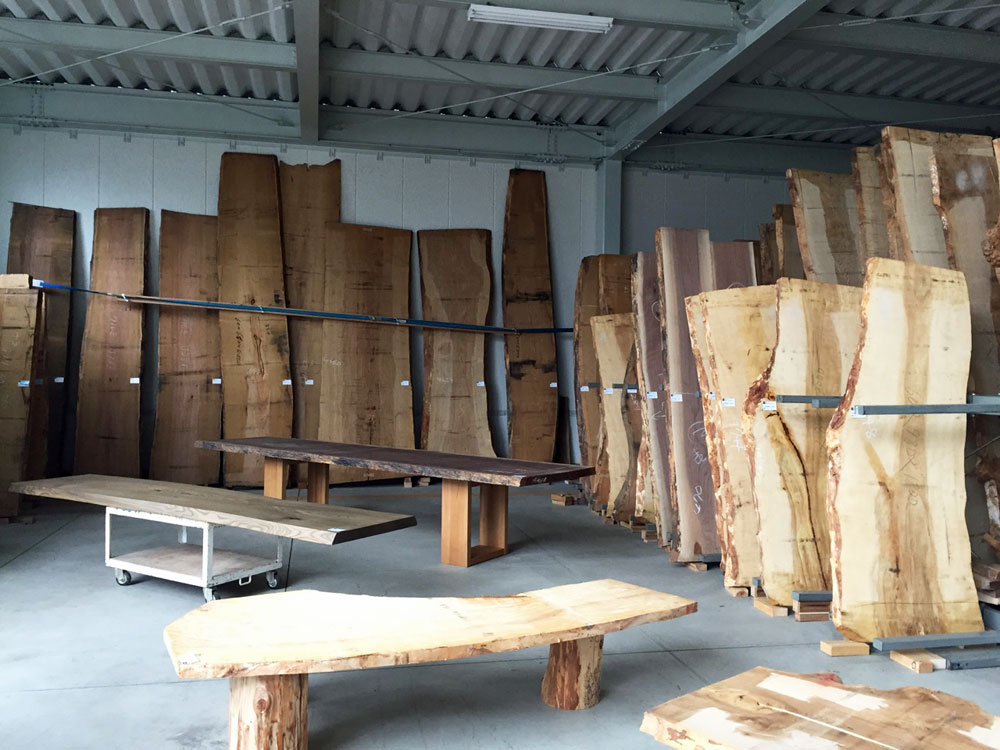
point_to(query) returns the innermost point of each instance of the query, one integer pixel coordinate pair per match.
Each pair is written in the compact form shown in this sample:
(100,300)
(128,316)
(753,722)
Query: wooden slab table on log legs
(459,474)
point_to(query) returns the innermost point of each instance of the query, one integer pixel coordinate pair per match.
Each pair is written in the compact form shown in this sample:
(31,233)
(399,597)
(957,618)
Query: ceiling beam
(305,14)
(769,21)
(499,76)
(683,15)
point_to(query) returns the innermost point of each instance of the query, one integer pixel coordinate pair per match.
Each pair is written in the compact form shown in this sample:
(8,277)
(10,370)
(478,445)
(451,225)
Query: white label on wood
(676,397)
(60,379)
(652,394)
(769,406)
(584,388)
(216,381)
(133,381)
(405,383)
(729,402)
(310,381)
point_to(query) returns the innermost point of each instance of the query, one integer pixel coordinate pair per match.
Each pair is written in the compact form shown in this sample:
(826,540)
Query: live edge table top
(478,469)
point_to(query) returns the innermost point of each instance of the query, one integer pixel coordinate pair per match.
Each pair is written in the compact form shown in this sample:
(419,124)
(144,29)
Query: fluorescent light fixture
(540,19)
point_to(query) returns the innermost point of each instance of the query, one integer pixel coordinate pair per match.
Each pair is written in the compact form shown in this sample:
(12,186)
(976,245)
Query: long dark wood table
(459,474)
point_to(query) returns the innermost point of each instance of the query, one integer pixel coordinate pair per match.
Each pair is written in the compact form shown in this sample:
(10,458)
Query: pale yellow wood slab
(872,221)
(311,631)
(764,708)
(826,223)
(896,484)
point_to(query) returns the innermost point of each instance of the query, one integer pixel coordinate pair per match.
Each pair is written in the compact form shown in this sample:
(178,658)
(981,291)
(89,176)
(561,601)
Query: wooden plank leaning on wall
(785,235)
(107,413)
(527,303)
(20,309)
(817,334)
(310,197)
(455,287)
(41,245)
(896,492)
(256,374)
(366,366)
(189,399)
(603,287)
(871,210)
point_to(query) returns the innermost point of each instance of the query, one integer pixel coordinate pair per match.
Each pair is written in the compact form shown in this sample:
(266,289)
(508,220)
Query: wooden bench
(206,507)
(268,645)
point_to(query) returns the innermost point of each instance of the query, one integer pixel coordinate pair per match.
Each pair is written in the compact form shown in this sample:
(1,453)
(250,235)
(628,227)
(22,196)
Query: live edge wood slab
(459,474)
(267,645)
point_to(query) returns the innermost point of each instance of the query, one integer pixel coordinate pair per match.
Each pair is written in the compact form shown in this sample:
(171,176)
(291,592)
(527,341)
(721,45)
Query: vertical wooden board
(889,205)
(684,264)
(766,259)
(366,366)
(896,484)
(41,245)
(455,286)
(188,403)
(874,234)
(817,335)
(614,348)
(256,396)
(20,307)
(107,413)
(826,224)
(739,338)
(603,287)
(785,235)
(653,390)
(732,265)
(310,197)
(527,303)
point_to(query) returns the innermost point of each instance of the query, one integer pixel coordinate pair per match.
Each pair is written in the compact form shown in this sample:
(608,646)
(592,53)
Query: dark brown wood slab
(478,469)
(321,524)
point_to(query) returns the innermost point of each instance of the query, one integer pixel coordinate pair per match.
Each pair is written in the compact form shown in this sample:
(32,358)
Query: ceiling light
(540,19)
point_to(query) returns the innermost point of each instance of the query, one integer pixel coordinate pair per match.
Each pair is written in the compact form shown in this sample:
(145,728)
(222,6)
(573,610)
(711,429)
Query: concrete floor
(82,661)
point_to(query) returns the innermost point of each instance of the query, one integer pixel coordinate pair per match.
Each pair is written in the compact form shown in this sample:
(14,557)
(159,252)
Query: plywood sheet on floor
(107,414)
(256,373)
(455,286)
(527,303)
(189,399)
(41,244)
(826,223)
(896,493)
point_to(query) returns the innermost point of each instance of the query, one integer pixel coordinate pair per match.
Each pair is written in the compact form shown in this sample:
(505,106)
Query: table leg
(268,713)
(456,501)
(492,523)
(275,477)
(318,483)
(573,675)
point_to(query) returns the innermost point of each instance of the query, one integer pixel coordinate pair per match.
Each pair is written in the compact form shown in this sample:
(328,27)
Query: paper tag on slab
(729,402)
(405,383)
(310,381)
(480,384)
(23,383)
(584,388)
(553,385)
(60,379)
(652,394)
(216,381)
(286,381)
(676,397)
(133,381)
(609,390)
(769,406)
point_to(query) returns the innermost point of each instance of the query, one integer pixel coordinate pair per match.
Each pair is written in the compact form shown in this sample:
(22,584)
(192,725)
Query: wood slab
(479,469)
(766,256)
(786,236)
(767,708)
(527,303)
(896,484)
(827,226)
(189,401)
(107,412)
(614,347)
(874,234)
(321,524)
(366,366)
(817,334)
(732,265)
(256,374)
(276,634)
(739,338)
(41,245)
(603,287)
(685,268)
(310,197)
(455,287)
(20,308)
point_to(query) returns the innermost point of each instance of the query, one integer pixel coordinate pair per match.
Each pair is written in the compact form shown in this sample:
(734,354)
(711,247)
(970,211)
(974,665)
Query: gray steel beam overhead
(305,14)
(94,40)
(768,22)
(683,15)
(359,63)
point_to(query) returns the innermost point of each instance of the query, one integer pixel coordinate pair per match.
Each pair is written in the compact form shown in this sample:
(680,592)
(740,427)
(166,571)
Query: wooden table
(459,474)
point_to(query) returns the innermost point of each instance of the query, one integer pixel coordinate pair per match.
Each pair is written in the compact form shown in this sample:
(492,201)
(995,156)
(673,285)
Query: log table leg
(318,483)
(275,477)
(456,505)
(572,678)
(268,713)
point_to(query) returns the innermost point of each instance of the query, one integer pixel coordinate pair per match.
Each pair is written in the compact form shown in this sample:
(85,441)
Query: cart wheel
(122,577)
(210,594)
(272,579)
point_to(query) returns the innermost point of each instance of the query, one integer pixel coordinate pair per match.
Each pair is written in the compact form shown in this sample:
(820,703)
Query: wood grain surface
(827,227)
(366,367)
(41,245)
(107,413)
(874,235)
(256,374)
(786,236)
(896,484)
(527,303)
(766,258)
(189,403)
(276,634)
(455,286)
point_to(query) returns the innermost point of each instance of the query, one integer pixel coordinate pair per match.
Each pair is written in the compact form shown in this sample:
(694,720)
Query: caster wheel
(272,580)
(211,594)
(123,577)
